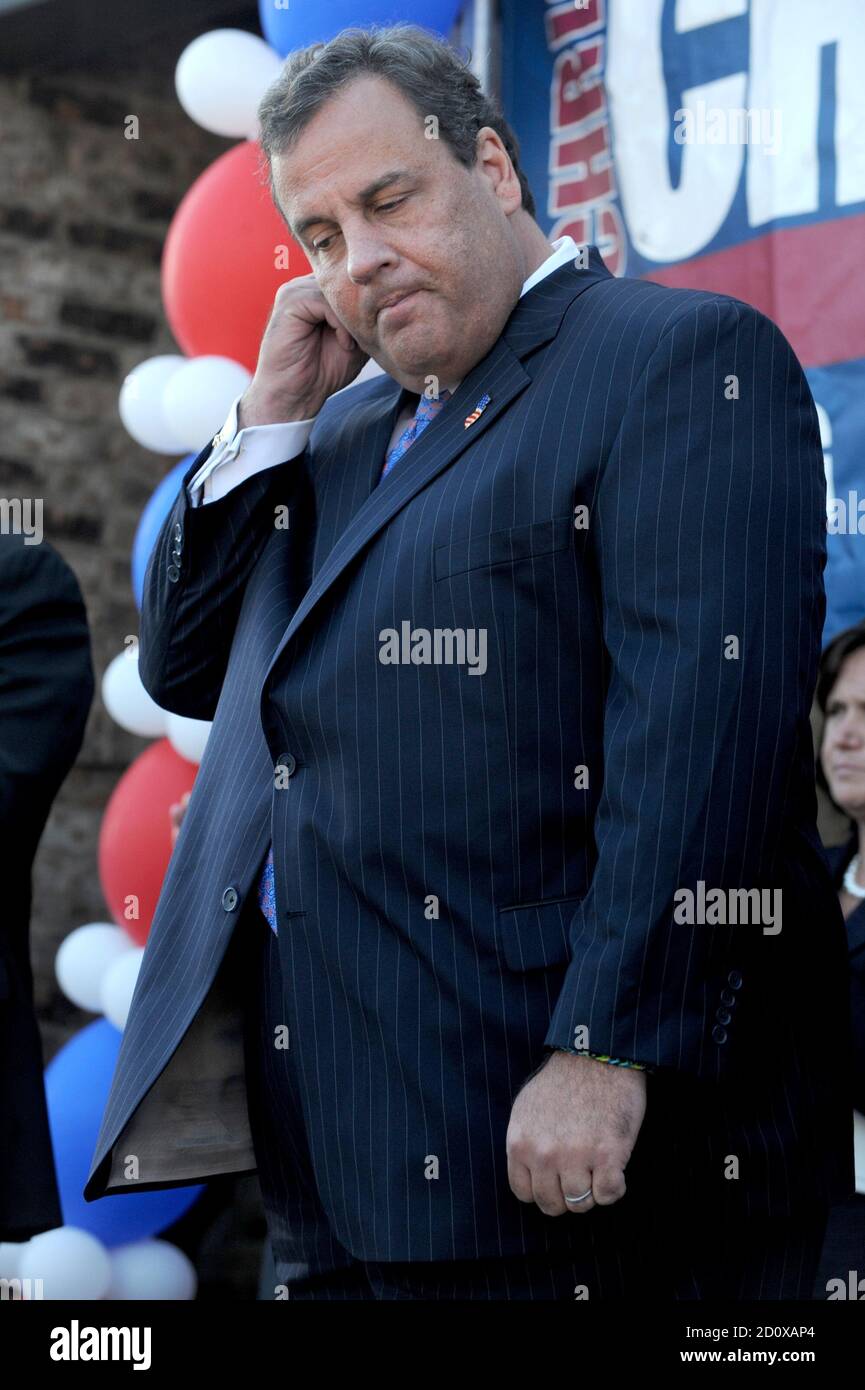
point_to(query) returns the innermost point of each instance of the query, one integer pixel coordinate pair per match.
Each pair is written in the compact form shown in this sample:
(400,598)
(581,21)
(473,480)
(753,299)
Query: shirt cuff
(239,454)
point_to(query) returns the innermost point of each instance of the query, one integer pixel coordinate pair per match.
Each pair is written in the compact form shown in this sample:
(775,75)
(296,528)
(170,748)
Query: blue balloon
(299,25)
(77,1082)
(150,525)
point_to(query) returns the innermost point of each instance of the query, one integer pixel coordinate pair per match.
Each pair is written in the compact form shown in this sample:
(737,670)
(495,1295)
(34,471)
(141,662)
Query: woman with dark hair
(841,773)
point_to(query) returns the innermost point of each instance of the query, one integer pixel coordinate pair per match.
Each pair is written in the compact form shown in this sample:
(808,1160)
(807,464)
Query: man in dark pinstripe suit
(451,948)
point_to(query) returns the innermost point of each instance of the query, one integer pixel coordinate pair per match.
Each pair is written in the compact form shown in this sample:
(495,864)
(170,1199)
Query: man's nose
(366,252)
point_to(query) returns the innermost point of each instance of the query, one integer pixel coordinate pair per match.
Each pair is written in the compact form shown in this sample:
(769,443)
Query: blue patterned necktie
(426,412)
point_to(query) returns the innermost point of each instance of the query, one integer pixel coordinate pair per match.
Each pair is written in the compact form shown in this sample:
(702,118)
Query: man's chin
(419,364)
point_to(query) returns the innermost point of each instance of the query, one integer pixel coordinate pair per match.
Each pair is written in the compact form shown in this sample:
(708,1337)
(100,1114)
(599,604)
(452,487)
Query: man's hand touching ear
(573,1128)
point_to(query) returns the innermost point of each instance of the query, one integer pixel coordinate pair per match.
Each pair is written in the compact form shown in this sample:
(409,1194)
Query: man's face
(393,212)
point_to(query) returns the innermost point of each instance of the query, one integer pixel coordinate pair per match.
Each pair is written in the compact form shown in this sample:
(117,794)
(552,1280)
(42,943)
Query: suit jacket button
(178,533)
(229,899)
(173,573)
(719,1034)
(723,1015)
(727,997)
(288,761)
(734,979)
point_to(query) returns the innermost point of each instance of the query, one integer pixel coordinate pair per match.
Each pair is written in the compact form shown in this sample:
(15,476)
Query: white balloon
(70,1263)
(188,737)
(10,1254)
(149,1269)
(197,398)
(118,986)
(126,700)
(140,403)
(222,76)
(83,959)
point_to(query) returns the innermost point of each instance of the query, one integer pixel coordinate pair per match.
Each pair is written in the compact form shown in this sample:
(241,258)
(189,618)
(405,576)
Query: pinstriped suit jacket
(473,867)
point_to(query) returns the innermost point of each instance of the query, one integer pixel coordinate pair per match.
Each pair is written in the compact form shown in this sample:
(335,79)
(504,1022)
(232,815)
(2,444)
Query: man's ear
(507,188)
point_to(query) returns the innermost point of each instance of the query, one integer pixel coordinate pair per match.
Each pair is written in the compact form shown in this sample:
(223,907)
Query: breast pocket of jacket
(535,936)
(505,547)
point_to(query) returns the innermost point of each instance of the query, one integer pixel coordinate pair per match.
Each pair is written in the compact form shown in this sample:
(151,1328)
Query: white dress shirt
(237,455)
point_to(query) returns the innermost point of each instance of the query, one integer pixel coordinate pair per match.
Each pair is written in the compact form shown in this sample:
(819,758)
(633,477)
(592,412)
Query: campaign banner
(719,145)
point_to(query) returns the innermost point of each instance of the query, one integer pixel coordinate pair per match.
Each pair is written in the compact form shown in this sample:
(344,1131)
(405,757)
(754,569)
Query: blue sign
(717,144)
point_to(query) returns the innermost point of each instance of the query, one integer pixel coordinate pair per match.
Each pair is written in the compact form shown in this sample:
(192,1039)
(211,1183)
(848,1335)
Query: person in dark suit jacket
(46,689)
(499,875)
(841,772)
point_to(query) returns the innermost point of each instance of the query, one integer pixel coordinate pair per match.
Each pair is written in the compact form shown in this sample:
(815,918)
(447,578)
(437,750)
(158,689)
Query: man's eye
(382,207)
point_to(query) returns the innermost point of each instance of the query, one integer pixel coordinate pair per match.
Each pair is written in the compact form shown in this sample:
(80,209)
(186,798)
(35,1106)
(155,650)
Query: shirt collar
(564,249)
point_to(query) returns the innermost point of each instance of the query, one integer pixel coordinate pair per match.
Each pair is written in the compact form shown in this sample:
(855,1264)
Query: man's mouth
(396,298)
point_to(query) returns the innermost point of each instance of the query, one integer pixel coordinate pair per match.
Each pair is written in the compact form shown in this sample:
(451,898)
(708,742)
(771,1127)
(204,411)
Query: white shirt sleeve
(237,455)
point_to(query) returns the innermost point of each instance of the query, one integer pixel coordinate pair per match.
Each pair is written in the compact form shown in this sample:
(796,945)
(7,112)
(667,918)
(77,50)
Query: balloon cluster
(70,1263)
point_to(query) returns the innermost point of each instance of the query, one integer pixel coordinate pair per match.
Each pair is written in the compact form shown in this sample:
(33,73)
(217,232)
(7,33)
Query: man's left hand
(572,1130)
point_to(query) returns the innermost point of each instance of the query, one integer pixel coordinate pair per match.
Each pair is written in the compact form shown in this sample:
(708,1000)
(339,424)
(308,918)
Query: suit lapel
(500,375)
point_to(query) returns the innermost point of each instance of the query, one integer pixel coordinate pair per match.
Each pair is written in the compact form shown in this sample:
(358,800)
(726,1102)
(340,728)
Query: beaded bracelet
(614,1061)
(603,1057)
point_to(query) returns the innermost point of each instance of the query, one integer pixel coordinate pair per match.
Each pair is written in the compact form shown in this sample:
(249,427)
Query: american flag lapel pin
(477,412)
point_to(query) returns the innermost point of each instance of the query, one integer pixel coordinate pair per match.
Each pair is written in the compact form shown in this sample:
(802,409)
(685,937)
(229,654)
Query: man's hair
(428,72)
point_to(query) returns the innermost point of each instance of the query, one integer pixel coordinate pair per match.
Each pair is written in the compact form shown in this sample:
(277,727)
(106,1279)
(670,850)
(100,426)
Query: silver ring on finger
(578,1199)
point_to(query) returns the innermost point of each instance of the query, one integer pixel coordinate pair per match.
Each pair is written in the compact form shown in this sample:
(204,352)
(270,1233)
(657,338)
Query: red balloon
(135,835)
(225,257)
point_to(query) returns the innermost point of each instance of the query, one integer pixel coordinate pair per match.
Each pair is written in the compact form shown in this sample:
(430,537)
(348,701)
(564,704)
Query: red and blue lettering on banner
(717,144)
